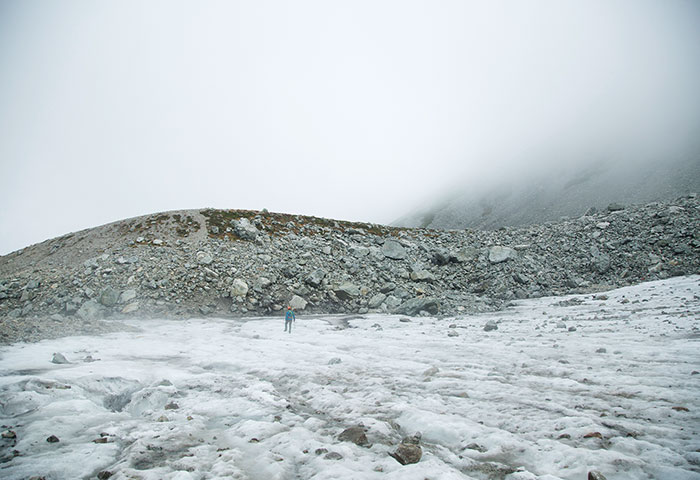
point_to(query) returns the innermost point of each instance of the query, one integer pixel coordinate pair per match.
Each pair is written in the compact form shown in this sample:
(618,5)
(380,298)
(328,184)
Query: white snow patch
(529,401)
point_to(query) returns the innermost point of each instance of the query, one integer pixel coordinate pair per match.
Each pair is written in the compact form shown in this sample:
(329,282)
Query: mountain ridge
(548,194)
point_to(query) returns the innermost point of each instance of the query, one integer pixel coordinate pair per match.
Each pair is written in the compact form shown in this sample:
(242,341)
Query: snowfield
(564,385)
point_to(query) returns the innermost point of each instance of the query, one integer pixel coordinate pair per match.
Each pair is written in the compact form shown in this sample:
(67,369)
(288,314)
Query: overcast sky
(357,110)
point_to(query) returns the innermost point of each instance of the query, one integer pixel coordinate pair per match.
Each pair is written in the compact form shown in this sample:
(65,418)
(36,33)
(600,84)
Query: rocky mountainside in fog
(558,192)
(228,263)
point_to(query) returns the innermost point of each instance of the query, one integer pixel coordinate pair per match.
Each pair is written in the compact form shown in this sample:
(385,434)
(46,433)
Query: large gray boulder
(376,300)
(419,304)
(316,277)
(244,229)
(394,250)
(498,254)
(600,261)
(391,302)
(298,303)
(261,284)
(127,296)
(346,291)
(239,288)
(109,297)
(90,310)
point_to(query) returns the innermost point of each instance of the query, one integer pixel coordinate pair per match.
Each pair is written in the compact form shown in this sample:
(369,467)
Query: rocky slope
(540,196)
(246,263)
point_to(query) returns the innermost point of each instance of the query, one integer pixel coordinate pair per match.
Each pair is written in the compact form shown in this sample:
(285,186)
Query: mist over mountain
(549,193)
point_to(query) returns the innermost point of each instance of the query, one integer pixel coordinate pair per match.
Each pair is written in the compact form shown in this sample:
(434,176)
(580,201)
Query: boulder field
(241,263)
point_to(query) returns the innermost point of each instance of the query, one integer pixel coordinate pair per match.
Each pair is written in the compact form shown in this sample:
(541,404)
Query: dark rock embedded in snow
(490,325)
(595,475)
(53,439)
(355,435)
(409,450)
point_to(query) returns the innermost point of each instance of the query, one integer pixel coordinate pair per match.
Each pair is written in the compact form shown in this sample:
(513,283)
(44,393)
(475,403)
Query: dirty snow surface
(565,385)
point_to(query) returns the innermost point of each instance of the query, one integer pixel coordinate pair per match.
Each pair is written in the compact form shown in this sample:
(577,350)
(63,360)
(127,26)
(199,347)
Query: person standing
(289,317)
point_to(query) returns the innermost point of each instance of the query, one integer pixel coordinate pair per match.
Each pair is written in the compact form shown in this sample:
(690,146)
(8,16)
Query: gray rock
(394,250)
(465,254)
(297,303)
(376,300)
(600,261)
(239,288)
(90,310)
(441,257)
(359,251)
(347,291)
(262,283)
(59,359)
(244,229)
(490,325)
(32,284)
(204,258)
(419,304)
(109,297)
(333,456)
(355,435)
(391,302)
(520,278)
(334,361)
(422,276)
(127,296)
(498,254)
(316,277)
(595,475)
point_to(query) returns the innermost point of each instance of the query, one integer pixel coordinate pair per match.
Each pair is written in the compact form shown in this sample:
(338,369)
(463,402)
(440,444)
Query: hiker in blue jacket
(289,317)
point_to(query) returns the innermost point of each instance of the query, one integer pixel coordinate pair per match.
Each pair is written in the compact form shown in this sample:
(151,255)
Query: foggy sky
(356,110)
